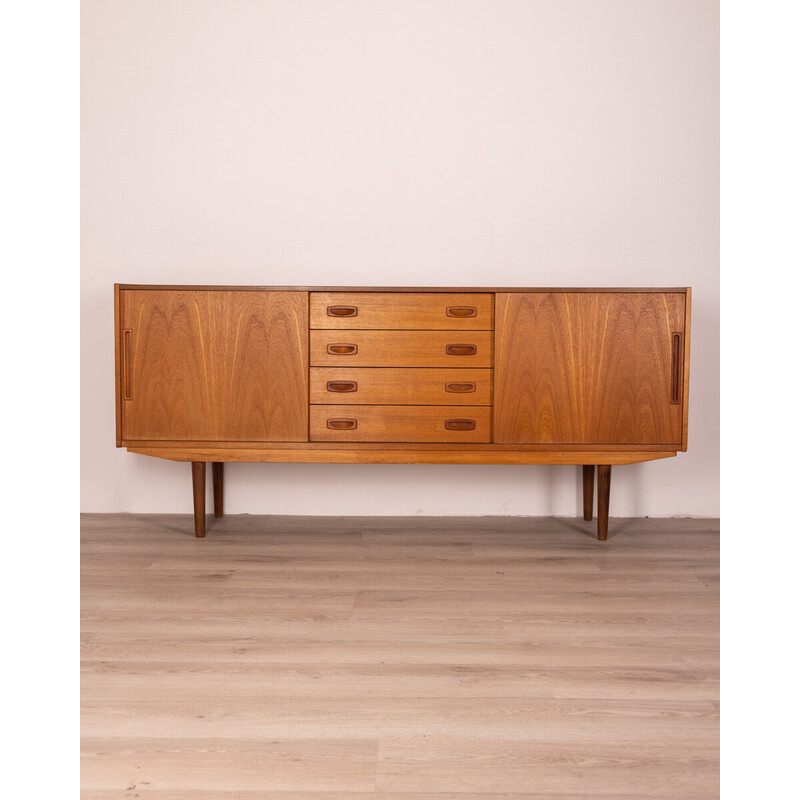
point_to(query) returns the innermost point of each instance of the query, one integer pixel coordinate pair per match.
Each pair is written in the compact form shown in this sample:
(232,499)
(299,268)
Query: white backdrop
(400,142)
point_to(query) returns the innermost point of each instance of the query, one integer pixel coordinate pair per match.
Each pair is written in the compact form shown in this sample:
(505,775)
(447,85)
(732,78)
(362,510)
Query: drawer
(452,349)
(345,423)
(401,386)
(402,311)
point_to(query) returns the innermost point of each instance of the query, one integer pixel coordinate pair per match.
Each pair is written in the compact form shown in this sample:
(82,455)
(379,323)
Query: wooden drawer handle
(342,349)
(462,311)
(342,386)
(461,349)
(460,388)
(459,424)
(342,424)
(342,311)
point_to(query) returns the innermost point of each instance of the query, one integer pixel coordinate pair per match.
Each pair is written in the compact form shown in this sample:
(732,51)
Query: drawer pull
(462,311)
(342,349)
(460,388)
(461,349)
(342,424)
(459,424)
(342,311)
(342,386)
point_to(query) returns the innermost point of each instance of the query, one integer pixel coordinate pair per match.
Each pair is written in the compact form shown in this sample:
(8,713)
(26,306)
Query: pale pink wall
(468,142)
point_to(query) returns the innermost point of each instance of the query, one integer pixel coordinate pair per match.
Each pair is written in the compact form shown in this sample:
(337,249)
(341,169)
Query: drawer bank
(596,377)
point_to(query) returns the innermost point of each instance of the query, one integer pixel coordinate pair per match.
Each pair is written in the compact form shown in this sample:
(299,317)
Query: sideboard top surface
(448,289)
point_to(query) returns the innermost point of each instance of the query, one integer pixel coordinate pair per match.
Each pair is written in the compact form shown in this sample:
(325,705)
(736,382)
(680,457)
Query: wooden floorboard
(415,658)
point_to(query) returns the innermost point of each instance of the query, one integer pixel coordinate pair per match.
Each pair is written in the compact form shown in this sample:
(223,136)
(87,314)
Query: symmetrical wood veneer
(402,375)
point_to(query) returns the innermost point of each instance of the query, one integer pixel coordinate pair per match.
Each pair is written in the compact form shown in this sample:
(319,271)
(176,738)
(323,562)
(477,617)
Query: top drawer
(402,311)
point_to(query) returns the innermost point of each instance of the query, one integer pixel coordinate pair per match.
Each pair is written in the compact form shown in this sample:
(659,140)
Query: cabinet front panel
(359,348)
(355,423)
(589,368)
(412,311)
(214,365)
(399,386)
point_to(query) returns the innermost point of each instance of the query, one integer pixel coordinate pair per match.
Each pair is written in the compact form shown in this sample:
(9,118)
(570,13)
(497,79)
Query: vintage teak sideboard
(592,377)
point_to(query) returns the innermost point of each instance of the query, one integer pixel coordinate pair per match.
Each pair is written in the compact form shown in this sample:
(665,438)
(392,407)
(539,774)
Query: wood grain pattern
(603,498)
(395,289)
(401,386)
(367,453)
(199,497)
(536,448)
(218,483)
(588,492)
(400,423)
(217,365)
(410,311)
(586,368)
(222,374)
(686,340)
(401,348)
(117,365)
(314,658)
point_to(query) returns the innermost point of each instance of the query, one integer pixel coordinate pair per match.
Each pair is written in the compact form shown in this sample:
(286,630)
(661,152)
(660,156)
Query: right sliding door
(578,367)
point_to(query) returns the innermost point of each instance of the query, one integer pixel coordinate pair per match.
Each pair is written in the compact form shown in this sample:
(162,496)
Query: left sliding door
(212,365)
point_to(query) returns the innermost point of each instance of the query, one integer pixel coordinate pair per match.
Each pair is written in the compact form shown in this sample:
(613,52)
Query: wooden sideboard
(592,377)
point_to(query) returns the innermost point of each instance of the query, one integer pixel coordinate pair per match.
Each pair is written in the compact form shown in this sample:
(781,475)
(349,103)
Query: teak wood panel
(400,386)
(588,368)
(214,365)
(370,348)
(384,453)
(351,423)
(395,289)
(412,311)
(687,340)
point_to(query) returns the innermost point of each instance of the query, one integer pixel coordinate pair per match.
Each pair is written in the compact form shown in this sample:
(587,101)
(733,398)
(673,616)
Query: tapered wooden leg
(603,495)
(218,482)
(588,491)
(199,489)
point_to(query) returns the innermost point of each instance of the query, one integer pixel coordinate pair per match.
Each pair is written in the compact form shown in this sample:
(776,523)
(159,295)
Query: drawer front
(356,348)
(402,311)
(357,423)
(399,386)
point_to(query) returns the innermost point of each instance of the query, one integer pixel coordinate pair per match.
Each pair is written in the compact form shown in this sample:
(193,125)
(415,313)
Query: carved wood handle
(462,311)
(342,386)
(460,388)
(461,349)
(459,424)
(343,349)
(343,424)
(127,364)
(342,311)
(676,394)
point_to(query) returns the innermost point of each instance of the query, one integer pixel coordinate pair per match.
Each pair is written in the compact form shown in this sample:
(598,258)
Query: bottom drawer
(353,423)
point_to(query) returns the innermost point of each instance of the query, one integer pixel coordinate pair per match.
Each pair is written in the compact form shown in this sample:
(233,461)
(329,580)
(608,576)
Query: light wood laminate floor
(415,658)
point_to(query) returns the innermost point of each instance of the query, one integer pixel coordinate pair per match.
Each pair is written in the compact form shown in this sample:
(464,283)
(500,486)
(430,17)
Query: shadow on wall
(385,489)
(630,491)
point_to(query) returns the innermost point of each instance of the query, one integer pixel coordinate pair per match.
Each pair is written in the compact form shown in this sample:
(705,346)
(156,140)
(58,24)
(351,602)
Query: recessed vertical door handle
(676,393)
(127,364)
(461,349)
